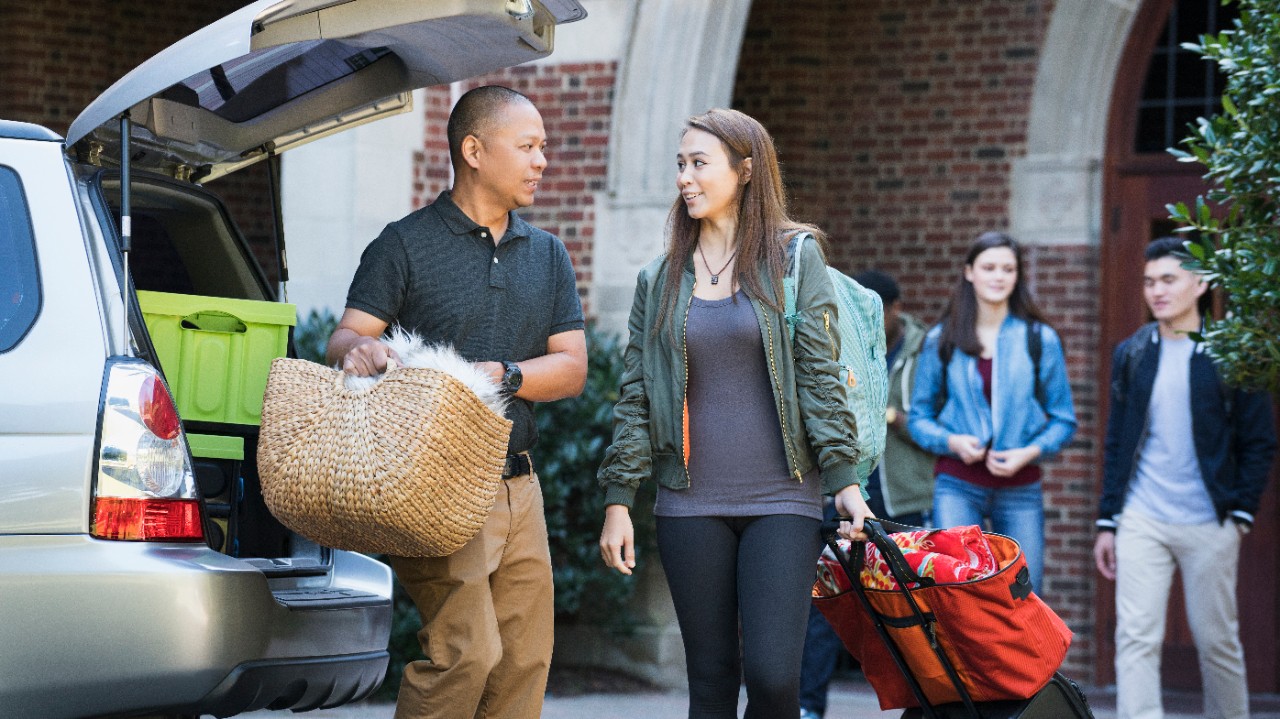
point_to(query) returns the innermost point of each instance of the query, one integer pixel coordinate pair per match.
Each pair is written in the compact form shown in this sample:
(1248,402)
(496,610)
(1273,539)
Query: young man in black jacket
(1187,458)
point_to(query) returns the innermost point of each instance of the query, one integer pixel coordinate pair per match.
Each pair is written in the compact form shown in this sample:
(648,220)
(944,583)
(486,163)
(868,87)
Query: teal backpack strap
(790,313)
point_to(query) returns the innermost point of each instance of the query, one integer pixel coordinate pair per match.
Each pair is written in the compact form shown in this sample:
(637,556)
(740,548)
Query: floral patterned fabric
(949,556)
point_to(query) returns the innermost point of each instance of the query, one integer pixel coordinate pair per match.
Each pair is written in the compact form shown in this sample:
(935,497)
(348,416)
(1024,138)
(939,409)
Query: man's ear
(745,172)
(1202,286)
(471,147)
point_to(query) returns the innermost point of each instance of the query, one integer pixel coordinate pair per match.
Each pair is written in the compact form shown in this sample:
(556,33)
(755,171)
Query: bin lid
(260,312)
(214,446)
(277,74)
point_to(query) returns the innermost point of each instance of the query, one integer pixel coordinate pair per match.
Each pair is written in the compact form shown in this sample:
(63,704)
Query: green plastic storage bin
(216,352)
(211,446)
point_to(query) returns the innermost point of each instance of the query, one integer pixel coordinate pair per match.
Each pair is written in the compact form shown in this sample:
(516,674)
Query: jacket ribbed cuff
(840,476)
(619,494)
(1106,525)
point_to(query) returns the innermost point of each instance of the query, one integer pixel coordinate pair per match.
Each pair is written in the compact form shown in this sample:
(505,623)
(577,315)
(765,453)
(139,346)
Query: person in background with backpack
(900,488)
(742,427)
(1184,454)
(992,400)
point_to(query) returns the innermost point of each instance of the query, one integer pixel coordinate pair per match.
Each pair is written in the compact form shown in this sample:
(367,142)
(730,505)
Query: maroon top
(977,473)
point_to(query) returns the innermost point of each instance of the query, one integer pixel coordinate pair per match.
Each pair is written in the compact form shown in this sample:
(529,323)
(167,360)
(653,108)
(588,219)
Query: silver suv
(140,572)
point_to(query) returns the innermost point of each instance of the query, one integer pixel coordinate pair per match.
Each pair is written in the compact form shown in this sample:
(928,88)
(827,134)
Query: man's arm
(558,374)
(355,344)
(1255,448)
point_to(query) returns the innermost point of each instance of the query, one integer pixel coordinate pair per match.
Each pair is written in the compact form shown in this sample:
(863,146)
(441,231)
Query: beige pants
(1208,556)
(488,614)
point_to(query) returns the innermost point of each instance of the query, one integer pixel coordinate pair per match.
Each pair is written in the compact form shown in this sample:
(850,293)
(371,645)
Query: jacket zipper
(782,409)
(826,324)
(684,390)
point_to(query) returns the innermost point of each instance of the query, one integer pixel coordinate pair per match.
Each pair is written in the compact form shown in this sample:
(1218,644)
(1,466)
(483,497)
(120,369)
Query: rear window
(19,279)
(246,87)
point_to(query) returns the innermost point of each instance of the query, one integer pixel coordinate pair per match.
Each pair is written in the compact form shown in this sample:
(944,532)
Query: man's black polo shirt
(437,273)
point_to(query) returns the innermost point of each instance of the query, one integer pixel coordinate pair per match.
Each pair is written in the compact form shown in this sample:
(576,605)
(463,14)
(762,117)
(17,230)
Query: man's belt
(518,465)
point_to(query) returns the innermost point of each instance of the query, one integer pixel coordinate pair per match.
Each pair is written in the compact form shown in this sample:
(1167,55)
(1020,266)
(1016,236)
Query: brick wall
(61,54)
(896,125)
(576,102)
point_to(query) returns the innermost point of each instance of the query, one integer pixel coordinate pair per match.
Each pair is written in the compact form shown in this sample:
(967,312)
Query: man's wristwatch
(512,377)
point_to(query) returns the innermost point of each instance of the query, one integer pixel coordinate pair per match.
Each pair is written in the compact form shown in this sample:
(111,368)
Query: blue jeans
(1016,512)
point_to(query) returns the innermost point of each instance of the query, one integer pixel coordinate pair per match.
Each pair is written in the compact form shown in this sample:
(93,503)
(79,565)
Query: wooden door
(1137,187)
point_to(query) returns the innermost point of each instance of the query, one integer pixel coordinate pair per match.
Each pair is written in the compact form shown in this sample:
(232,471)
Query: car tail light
(144,489)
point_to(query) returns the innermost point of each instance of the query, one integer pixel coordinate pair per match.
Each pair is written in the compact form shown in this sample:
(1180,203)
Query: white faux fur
(414,352)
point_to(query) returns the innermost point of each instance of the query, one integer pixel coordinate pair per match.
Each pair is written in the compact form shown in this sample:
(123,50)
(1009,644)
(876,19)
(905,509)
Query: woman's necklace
(715,276)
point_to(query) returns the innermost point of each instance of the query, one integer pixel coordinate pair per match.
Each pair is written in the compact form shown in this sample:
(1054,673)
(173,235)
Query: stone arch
(1056,192)
(681,59)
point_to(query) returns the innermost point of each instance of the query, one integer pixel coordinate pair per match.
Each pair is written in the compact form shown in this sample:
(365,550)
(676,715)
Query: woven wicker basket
(409,466)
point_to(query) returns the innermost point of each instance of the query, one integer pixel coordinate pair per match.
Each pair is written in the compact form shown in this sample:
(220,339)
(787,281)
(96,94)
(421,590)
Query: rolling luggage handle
(905,576)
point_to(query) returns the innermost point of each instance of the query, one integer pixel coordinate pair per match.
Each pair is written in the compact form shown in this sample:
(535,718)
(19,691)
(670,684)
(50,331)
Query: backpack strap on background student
(1035,348)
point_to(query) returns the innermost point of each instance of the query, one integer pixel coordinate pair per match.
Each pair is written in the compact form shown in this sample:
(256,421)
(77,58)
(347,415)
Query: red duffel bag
(998,638)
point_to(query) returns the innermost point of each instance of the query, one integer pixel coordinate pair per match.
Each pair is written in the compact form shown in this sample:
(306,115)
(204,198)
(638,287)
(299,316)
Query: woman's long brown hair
(763,225)
(960,317)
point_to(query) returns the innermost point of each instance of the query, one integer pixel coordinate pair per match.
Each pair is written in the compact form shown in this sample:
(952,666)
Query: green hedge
(1238,222)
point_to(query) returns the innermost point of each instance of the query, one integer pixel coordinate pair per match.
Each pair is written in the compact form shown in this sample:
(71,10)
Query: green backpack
(860,326)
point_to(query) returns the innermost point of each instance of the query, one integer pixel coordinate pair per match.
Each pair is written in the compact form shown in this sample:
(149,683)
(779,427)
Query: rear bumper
(93,627)
(300,684)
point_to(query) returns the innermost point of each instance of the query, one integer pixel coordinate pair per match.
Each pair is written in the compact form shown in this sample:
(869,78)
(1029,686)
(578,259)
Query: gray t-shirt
(1167,485)
(737,462)
(438,273)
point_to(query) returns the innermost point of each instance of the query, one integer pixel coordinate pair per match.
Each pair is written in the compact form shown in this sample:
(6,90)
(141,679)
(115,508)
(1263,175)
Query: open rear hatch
(271,76)
(277,74)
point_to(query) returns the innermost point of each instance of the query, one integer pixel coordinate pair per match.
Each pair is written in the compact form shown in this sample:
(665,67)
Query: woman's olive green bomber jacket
(648,421)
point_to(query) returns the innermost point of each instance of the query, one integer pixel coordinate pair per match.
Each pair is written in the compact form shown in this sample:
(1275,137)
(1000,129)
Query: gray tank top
(737,461)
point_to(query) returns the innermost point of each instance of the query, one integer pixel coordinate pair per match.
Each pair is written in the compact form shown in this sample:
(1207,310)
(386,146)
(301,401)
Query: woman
(734,420)
(979,404)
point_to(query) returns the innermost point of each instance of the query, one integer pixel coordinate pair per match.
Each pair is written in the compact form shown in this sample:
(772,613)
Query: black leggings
(759,568)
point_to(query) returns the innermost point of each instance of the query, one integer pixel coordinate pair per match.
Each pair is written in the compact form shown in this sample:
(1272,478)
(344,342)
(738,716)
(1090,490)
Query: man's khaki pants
(1208,556)
(488,614)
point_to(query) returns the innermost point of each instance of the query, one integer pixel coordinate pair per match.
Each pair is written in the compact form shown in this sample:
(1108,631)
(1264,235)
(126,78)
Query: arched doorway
(1159,89)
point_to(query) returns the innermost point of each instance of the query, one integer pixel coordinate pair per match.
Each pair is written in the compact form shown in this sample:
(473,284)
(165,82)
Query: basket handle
(341,379)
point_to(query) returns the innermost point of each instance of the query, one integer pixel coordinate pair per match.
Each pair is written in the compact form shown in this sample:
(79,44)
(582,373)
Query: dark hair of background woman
(763,226)
(960,318)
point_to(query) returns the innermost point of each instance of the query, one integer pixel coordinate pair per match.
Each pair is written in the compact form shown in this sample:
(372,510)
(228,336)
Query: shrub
(311,336)
(573,434)
(1240,147)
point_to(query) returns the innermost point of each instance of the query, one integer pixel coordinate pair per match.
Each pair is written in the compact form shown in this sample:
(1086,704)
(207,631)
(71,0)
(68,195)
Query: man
(900,488)
(468,271)
(1186,460)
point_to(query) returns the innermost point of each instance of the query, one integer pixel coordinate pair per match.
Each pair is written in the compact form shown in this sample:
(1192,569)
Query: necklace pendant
(715,279)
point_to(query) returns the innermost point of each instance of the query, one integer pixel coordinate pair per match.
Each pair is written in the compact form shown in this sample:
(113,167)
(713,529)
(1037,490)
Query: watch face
(513,377)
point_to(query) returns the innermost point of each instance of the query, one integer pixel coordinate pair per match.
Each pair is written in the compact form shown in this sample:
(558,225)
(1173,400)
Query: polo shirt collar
(460,224)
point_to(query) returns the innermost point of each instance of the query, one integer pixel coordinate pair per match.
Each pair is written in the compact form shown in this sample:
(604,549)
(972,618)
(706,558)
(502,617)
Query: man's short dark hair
(1162,247)
(879,283)
(475,113)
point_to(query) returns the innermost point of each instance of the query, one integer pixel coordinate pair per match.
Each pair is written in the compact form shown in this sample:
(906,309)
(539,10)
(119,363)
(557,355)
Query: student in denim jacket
(978,404)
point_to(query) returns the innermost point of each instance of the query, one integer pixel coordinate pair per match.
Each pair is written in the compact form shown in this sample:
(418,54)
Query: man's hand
(355,346)
(849,503)
(1007,462)
(1104,554)
(966,447)
(618,539)
(368,357)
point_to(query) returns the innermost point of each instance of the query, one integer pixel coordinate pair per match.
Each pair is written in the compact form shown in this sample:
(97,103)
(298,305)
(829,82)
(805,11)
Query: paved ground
(848,700)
